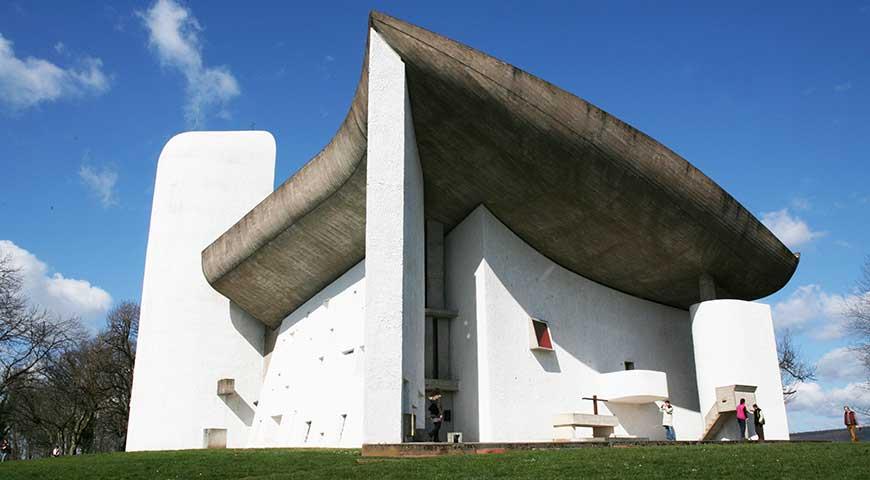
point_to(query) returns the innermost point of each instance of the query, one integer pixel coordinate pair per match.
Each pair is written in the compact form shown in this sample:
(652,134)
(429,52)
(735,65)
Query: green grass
(821,460)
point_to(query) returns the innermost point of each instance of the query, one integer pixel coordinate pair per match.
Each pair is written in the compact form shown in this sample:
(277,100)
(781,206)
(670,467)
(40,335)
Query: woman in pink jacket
(742,415)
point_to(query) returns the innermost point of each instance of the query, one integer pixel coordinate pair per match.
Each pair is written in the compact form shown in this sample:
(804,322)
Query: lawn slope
(807,460)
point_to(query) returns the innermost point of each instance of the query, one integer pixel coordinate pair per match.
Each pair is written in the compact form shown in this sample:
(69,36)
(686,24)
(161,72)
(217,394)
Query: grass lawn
(823,461)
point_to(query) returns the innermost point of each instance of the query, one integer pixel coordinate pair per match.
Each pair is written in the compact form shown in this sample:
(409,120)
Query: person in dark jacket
(758,417)
(851,423)
(436,414)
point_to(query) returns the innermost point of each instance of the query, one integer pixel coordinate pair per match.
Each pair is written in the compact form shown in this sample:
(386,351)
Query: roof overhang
(587,190)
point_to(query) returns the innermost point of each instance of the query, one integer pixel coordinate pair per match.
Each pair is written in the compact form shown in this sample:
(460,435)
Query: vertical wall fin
(395,257)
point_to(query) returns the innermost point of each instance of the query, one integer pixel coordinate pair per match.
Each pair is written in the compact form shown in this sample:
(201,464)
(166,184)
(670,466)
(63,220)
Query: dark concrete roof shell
(587,190)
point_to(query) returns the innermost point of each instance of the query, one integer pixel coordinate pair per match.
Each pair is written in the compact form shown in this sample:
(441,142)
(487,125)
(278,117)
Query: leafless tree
(59,407)
(117,348)
(793,368)
(858,311)
(29,335)
(81,397)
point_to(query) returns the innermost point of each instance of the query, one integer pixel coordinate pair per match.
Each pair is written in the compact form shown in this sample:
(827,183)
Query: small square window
(629,365)
(539,335)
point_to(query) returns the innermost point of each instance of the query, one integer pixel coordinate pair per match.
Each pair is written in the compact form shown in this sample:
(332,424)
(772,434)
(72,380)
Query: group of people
(743,413)
(757,417)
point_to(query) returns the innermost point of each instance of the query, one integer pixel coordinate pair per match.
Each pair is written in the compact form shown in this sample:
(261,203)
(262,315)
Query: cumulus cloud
(817,407)
(101,182)
(791,230)
(61,295)
(842,363)
(27,82)
(174,35)
(809,303)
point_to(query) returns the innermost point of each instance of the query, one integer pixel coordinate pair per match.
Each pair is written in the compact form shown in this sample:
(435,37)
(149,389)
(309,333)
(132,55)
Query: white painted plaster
(395,259)
(511,393)
(316,372)
(190,336)
(634,386)
(735,345)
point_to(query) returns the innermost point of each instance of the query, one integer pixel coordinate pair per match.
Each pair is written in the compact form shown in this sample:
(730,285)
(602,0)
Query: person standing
(437,417)
(759,421)
(851,423)
(742,415)
(668,420)
(5,451)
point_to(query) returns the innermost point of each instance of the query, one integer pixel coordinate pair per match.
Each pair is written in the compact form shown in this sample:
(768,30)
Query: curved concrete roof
(587,190)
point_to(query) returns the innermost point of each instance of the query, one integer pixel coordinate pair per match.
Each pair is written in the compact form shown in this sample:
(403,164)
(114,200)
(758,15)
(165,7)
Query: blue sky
(771,101)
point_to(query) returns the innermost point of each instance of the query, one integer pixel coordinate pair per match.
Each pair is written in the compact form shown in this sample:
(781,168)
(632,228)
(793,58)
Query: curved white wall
(634,386)
(190,335)
(734,344)
(315,372)
(511,393)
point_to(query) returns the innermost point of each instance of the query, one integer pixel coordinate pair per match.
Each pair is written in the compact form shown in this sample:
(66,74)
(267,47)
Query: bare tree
(29,336)
(792,367)
(858,311)
(117,344)
(59,407)
(81,396)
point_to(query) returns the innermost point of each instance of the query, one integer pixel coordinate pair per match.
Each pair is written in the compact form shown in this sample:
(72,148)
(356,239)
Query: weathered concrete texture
(587,190)
(305,234)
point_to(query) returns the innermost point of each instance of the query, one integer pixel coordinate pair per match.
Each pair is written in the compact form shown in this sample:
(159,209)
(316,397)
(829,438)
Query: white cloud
(26,82)
(842,363)
(800,203)
(791,230)
(843,87)
(174,35)
(809,303)
(101,182)
(815,407)
(61,295)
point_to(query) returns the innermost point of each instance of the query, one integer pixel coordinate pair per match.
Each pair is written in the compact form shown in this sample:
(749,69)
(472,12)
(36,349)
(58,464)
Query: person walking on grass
(851,423)
(668,420)
(759,421)
(742,415)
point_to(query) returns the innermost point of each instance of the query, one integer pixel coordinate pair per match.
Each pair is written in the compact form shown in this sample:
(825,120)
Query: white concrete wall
(315,372)
(395,256)
(734,344)
(509,392)
(633,386)
(190,335)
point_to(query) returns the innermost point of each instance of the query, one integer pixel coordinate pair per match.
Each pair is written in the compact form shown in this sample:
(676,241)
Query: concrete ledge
(584,420)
